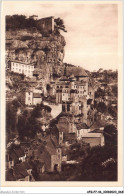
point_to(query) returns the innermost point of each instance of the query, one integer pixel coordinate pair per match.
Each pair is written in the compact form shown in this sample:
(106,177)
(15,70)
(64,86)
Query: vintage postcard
(61,93)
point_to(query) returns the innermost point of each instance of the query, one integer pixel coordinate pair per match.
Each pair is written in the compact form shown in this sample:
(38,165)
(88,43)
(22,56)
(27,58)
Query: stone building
(51,155)
(82,129)
(21,68)
(29,97)
(46,25)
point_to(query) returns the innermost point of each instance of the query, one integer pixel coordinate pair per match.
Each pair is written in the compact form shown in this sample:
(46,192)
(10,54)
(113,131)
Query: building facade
(21,68)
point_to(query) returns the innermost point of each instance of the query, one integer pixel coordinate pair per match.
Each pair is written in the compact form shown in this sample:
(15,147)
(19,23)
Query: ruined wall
(46,25)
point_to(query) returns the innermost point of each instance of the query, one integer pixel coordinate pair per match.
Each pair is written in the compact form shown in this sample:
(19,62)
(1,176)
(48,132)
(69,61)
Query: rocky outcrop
(46,53)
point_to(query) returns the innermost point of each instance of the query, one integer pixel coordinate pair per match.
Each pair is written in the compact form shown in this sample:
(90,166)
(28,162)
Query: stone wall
(46,25)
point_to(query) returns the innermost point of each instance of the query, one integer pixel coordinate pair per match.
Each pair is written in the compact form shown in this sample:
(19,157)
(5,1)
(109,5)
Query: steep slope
(46,53)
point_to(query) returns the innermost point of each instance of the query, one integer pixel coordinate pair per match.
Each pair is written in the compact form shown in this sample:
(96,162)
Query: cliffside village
(72,118)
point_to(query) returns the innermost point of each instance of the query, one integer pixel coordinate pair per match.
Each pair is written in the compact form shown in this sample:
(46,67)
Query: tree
(99,165)
(110,134)
(99,93)
(112,111)
(101,107)
(59,25)
(11,115)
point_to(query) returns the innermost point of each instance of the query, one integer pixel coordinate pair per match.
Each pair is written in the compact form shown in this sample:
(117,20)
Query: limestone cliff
(31,46)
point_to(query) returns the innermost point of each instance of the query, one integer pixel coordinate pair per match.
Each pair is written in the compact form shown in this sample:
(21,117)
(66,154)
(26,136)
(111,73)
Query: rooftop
(36,95)
(21,62)
(92,135)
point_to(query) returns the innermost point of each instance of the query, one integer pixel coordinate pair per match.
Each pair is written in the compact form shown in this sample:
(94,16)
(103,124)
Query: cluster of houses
(25,160)
(17,167)
(76,95)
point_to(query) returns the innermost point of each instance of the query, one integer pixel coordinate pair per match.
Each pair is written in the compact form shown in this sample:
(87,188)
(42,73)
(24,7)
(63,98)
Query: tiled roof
(36,95)
(91,135)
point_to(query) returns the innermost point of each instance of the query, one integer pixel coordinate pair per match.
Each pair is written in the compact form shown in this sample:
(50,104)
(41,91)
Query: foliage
(92,168)
(101,107)
(112,111)
(59,25)
(16,22)
(110,134)
(39,110)
(28,124)
(78,150)
(11,118)
(99,93)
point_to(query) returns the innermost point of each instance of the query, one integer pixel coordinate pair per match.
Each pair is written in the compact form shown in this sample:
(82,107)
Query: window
(28,98)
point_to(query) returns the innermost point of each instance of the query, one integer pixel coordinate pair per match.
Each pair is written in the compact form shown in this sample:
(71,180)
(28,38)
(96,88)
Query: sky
(92,30)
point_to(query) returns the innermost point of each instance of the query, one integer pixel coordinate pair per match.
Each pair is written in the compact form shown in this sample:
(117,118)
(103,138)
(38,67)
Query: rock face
(46,53)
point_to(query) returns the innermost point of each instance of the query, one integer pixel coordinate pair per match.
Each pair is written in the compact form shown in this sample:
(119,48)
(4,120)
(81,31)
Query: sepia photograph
(61,91)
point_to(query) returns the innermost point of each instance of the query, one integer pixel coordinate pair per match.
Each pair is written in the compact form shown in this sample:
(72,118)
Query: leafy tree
(99,93)
(59,25)
(16,22)
(99,165)
(110,134)
(112,111)
(101,107)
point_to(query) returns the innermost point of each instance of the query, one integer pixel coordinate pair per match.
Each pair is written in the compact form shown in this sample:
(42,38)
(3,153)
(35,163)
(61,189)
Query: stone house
(82,129)
(30,98)
(71,107)
(82,89)
(51,156)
